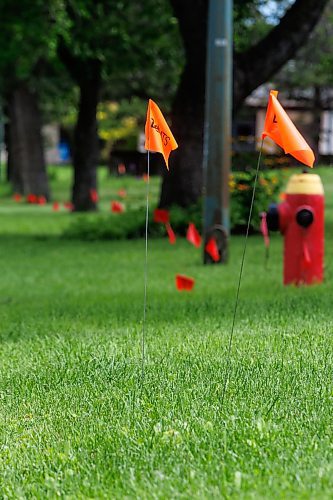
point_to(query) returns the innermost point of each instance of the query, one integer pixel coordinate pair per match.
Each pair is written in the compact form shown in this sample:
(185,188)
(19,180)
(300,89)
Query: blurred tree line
(66,56)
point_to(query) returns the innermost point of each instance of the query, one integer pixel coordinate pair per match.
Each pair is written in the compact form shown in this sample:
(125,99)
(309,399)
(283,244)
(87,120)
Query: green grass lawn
(78,421)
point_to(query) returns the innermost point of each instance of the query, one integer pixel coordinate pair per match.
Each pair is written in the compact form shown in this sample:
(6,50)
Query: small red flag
(41,200)
(32,198)
(171,234)
(122,193)
(145,177)
(212,250)
(69,205)
(117,207)
(193,235)
(161,215)
(306,255)
(93,195)
(184,282)
(264,229)
(55,206)
(121,169)
(17,197)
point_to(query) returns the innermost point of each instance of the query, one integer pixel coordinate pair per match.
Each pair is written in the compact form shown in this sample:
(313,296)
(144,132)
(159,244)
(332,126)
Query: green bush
(241,188)
(131,224)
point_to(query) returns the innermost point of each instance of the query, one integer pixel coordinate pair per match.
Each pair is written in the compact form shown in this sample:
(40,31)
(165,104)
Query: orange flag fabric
(184,282)
(158,134)
(193,236)
(117,207)
(212,250)
(161,216)
(279,127)
(171,234)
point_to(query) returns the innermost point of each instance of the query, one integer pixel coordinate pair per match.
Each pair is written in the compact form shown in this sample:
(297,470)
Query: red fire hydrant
(300,218)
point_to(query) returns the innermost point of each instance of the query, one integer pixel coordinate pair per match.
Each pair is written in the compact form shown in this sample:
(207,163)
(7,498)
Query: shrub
(131,224)
(241,188)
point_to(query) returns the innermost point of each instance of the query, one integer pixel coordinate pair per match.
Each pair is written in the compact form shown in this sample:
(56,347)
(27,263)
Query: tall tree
(253,65)
(26,164)
(120,48)
(27,39)
(314,62)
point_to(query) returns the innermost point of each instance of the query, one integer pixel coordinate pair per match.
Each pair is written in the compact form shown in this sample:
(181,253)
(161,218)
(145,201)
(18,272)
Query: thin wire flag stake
(159,138)
(278,127)
(145,270)
(227,369)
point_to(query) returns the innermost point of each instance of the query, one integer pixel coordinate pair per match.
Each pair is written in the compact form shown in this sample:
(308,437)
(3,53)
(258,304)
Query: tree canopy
(157,48)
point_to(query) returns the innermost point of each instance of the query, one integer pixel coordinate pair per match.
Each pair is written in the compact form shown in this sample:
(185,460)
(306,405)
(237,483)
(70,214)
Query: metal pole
(218,114)
(1,138)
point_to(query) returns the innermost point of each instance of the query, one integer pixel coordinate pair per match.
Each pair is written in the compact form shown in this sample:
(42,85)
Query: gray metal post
(1,139)
(218,114)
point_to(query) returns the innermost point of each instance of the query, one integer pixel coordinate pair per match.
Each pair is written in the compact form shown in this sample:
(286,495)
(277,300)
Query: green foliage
(28,36)
(120,122)
(253,19)
(249,24)
(131,224)
(314,62)
(94,227)
(137,42)
(241,187)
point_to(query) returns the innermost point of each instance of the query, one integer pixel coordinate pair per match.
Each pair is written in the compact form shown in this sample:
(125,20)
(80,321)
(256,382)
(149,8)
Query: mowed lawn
(78,420)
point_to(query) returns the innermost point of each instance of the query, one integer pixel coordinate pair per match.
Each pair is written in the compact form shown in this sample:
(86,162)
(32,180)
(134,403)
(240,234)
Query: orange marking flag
(193,236)
(212,250)
(117,207)
(158,135)
(161,215)
(184,282)
(279,127)
(171,234)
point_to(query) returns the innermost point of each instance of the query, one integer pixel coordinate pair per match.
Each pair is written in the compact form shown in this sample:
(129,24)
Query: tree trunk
(86,151)
(26,162)
(7,149)
(183,186)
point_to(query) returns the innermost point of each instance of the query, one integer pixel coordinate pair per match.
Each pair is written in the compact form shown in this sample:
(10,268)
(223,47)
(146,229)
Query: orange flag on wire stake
(279,127)
(184,282)
(192,235)
(158,134)
(171,234)
(212,249)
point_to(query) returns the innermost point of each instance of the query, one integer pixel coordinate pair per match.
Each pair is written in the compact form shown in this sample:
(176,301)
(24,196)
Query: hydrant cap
(305,184)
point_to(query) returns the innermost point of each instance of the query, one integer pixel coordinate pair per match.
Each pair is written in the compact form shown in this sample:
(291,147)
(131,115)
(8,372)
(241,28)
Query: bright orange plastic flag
(171,234)
(117,207)
(212,249)
(161,216)
(184,282)
(279,127)
(158,135)
(192,235)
